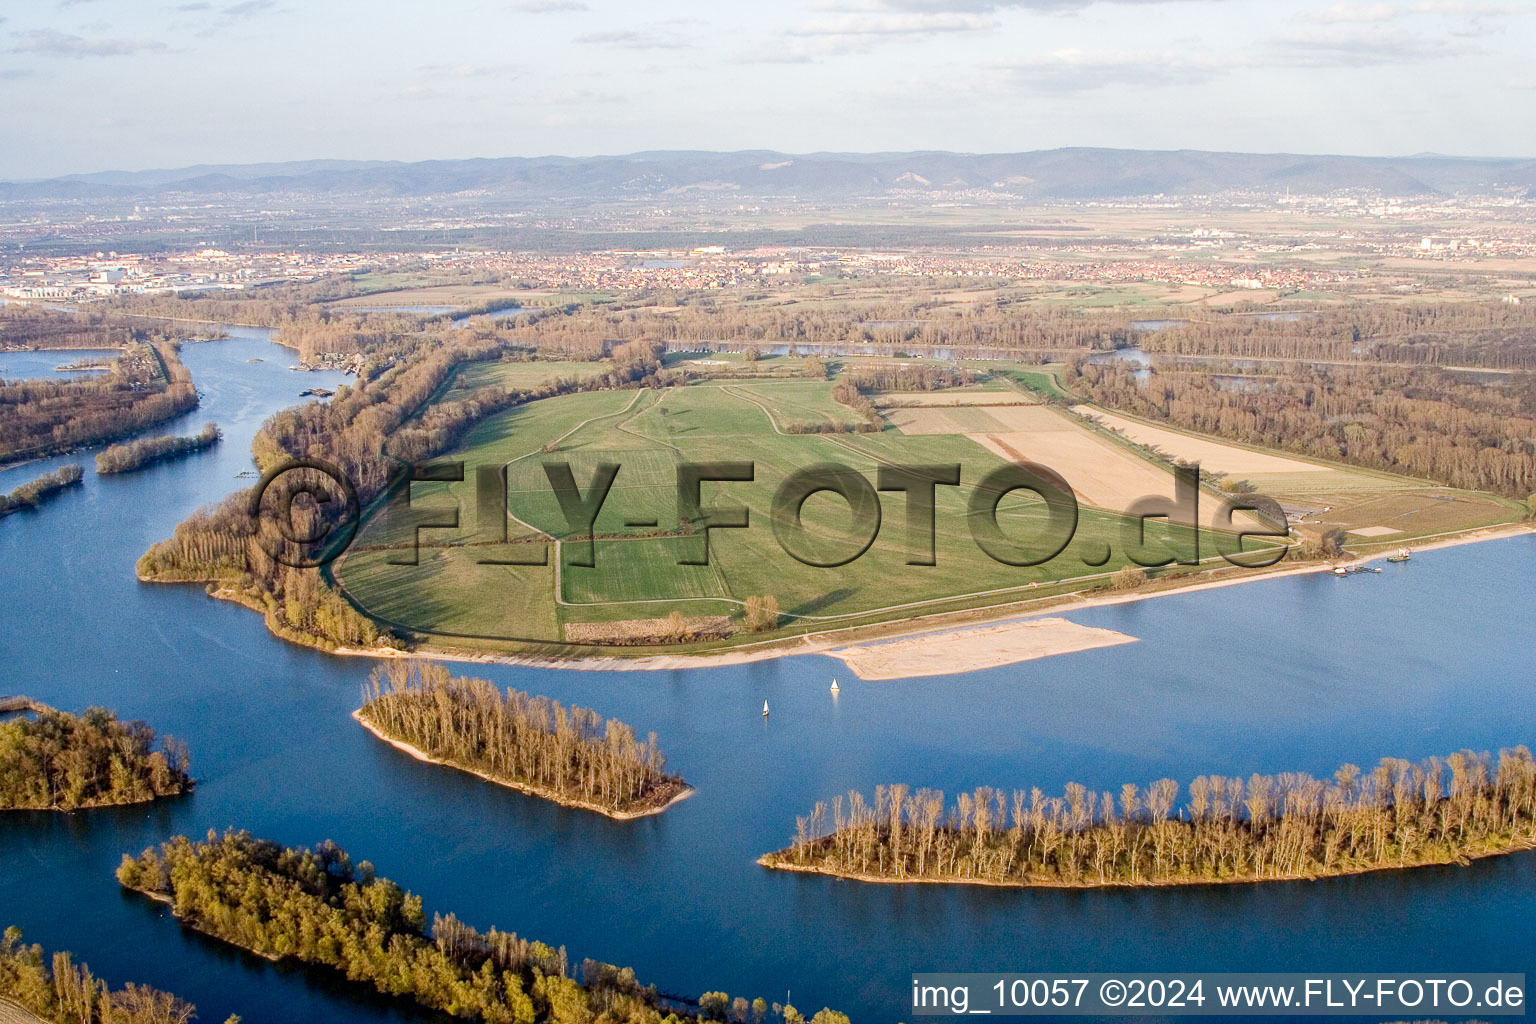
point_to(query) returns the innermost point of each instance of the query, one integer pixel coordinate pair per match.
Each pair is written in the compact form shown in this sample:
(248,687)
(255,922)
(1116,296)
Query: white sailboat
(834,686)
(765,709)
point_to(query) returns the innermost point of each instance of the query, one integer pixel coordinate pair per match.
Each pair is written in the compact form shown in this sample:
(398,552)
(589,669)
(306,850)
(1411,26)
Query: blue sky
(128,84)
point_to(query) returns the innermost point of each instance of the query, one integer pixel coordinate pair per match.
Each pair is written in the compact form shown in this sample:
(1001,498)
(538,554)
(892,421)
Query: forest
(1418,421)
(60,990)
(570,755)
(1287,826)
(1488,334)
(125,458)
(24,326)
(147,385)
(34,492)
(318,907)
(59,761)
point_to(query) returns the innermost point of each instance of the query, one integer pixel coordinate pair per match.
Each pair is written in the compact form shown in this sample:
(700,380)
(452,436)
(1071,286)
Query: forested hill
(1076,173)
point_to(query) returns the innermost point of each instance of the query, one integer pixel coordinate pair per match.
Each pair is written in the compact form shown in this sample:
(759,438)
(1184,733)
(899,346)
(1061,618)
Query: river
(1301,673)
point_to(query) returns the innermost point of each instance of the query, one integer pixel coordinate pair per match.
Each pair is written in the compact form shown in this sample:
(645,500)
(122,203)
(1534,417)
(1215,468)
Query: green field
(1039,379)
(518,376)
(648,434)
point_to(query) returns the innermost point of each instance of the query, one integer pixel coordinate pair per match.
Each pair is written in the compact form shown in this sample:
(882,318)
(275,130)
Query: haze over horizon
(99,85)
(279,167)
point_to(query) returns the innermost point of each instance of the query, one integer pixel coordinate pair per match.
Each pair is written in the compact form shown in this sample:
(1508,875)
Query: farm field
(1102,473)
(518,376)
(1041,380)
(647,434)
(950,397)
(1214,455)
(1364,503)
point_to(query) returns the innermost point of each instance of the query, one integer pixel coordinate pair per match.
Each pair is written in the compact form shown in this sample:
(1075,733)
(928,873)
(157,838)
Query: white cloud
(1342,14)
(470,70)
(1465,7)
(989,6)
(1361,49)
(635,39)
(1378,13)
(894,24)
(53,43)
(1077,70)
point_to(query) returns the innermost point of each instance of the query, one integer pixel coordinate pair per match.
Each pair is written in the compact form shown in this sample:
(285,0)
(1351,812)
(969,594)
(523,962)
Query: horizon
(242,81)
(209,166)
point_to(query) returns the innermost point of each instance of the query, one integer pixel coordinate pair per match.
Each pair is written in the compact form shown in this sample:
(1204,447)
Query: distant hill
(1049,174)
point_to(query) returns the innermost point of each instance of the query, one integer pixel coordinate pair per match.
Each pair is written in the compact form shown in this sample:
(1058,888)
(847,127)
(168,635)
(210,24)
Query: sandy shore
(1010,619)
(967,650)
(543,794)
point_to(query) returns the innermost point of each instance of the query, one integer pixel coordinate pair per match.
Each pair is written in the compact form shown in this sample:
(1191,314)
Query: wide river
(1301,674)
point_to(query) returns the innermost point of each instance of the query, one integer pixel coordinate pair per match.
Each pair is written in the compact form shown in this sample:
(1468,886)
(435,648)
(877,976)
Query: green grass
(1040,380)
(637,576)
(518,376)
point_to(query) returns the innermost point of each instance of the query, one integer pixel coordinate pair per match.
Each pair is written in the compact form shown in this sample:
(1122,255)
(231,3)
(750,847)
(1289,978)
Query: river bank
(773,863)
(974,639)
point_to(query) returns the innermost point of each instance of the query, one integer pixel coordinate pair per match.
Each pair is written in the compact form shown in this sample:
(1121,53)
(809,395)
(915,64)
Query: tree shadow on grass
(826,600)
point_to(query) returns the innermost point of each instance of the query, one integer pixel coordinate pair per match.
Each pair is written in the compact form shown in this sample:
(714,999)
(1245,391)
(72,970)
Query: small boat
(834,686)
(1339,570)
(765,709)
(1403,554)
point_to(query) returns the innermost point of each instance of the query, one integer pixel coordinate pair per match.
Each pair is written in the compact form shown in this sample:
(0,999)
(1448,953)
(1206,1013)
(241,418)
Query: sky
(90,85)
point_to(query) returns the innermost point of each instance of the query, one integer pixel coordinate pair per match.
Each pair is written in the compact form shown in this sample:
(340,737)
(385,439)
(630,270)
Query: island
(57,761)
(69,993)
(146,451)
(1271,828)
(317,906)
(35,492)
(572,756)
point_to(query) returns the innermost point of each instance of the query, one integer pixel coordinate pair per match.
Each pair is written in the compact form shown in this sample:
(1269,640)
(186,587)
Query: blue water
(404,308)
(16,366)
(501,313)
(1295,674)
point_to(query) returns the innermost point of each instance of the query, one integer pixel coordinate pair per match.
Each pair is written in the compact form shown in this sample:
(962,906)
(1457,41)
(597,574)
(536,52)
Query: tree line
(1420,421)
(318,907)
(24,326)
(125,458)
(1485,334)
(1286,826)
(570,755)
(147,385)
(35,492)
(59,761)
(60,990)
(912,321)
